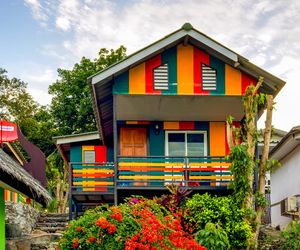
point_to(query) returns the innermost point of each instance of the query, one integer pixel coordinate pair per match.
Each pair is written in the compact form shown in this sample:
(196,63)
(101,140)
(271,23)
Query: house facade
(161,116)
(285,180)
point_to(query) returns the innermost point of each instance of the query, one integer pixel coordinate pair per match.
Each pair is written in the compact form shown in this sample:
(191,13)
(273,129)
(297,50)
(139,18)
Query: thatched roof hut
(14,176)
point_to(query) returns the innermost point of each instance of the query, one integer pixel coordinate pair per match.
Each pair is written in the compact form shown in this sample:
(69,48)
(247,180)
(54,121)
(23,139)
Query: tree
(72,112)
(243,159)
(71,105)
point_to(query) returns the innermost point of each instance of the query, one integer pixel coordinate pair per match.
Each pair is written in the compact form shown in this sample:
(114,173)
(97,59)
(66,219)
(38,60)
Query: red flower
(102,222)
(111,229)
(117,216)
(78,229)
(75,243)
(92,239)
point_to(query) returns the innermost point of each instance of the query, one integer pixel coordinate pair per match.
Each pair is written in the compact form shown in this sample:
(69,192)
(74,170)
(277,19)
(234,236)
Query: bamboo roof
(15,176)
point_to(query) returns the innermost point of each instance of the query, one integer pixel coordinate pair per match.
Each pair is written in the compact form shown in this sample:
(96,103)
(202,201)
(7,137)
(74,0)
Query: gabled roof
(63,142)
(187,32)
(101,84)
(288,143)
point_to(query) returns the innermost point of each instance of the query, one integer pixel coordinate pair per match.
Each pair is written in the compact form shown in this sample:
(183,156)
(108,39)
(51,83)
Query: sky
(38,37)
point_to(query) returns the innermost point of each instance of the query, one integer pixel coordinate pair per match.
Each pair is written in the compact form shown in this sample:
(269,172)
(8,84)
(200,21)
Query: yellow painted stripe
(210,164)
(210,177)
(92,171)
(92,183)
(137,79)
(132,122)
(185,69)
(149,164)
(146,177)
(171,125)
(217,138)
(233,81)
(88,148)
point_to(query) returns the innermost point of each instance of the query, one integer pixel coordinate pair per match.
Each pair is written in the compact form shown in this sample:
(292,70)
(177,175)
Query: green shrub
(137,224)
(291,236)
(203,209)
(213,237)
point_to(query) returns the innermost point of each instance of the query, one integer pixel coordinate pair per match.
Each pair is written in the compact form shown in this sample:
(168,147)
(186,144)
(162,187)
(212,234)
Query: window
(89,156)
(209,78)
(160,76)
(186,143)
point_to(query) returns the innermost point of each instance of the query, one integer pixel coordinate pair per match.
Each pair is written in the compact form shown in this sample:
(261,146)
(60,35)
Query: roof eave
(158,46)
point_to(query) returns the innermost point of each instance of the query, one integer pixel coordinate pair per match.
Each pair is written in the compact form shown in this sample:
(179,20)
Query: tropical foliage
(137,224)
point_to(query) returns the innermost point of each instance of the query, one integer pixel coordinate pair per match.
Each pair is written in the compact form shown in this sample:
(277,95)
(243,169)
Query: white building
(285,179)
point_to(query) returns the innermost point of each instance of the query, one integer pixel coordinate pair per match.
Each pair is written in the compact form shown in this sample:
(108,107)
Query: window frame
(168,83)
(202,77)
(186,132)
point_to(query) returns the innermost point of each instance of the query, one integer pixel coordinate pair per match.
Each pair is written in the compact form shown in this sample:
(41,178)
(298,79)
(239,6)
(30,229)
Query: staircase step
(39,246)
(51,224)
(52,229)
(54,215)
(53,219)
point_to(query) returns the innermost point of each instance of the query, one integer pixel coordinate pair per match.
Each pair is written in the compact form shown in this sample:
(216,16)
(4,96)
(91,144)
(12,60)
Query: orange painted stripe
(88,148)
(6,195)
(137,79)
(217,137)
(233,81)
(185,70)
(171,125)
(131,122)
(186,125)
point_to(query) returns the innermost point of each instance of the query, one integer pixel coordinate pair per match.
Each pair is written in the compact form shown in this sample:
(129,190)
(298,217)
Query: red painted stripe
(143,122)
(227,149)
(209,169)
(199,58)
(246,81)
(100,153)
(186,125)
(149,66)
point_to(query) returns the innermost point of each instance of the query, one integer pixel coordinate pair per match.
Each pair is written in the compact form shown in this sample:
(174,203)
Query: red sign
(8,131)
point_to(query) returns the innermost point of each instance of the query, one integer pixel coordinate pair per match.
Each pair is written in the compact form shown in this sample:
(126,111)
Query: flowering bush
(137,224)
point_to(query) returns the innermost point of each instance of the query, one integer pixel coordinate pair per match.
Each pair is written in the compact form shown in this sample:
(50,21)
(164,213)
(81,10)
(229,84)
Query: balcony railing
(150,171)
(159,171)
(92,177)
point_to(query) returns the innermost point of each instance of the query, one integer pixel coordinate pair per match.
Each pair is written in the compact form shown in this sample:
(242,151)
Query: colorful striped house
(161,116)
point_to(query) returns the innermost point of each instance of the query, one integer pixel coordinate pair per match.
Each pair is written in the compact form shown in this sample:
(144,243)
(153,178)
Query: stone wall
(20,219)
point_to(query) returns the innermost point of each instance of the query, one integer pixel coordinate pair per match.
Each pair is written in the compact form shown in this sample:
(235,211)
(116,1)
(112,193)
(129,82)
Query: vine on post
(242,142)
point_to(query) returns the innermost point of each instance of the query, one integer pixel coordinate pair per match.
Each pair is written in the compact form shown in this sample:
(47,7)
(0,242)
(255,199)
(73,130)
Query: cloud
(37,10)
(264,31)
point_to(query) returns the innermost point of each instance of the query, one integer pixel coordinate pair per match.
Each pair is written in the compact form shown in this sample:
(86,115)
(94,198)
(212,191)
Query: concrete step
(52,229)
(51,224)
(53,219)
(54,215)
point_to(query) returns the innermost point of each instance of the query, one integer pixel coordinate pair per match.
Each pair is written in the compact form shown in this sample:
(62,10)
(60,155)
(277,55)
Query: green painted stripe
(219,65)
(2,219)
(121,83)
(169,56)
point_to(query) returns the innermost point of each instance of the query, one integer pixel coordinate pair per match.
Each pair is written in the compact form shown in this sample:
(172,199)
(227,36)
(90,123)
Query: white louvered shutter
(209,78)
(161,81)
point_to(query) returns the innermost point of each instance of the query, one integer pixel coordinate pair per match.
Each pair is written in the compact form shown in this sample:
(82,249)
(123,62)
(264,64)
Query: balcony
(158,171)
(151,172)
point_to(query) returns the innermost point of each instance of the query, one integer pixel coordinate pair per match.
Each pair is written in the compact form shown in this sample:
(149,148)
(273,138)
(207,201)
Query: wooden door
(133,142)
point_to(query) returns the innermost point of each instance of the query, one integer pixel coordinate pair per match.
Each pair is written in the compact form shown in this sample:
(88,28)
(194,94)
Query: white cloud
(37,10)
(265,31)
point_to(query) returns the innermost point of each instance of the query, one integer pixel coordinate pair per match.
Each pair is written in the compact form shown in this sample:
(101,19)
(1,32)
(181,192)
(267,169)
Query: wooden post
(264,162)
